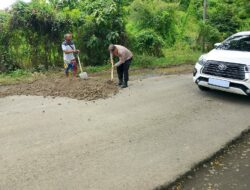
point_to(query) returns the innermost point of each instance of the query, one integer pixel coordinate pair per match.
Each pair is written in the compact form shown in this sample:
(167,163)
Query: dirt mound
(80,89)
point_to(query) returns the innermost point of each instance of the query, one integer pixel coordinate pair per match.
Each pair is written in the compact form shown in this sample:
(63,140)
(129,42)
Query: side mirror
(217,45)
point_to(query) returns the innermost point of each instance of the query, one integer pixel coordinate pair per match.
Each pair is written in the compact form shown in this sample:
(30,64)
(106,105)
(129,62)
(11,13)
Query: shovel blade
(83,75)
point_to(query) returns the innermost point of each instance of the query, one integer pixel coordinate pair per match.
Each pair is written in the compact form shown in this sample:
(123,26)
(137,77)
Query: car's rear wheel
(203,88)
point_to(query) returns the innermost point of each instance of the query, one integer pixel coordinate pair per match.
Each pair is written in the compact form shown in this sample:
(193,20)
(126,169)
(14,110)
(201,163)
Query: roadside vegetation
(159,32)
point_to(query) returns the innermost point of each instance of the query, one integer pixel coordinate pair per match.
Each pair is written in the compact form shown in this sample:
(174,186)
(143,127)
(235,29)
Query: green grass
(96,69)
(15,76)
(171,58)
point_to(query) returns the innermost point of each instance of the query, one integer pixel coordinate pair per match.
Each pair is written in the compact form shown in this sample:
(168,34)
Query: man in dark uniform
(125,59)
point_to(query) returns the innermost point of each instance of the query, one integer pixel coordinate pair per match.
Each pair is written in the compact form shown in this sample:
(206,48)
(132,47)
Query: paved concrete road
(142,138)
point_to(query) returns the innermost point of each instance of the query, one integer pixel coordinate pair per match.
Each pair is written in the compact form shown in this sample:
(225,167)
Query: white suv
(227,67)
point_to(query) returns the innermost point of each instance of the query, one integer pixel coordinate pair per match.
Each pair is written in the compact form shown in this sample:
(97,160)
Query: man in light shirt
(125,58)
(69,50)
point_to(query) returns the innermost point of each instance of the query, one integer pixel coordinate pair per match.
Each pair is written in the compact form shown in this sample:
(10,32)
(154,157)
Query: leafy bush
(7,62)
(155,15)
(148,42)
(209,35)
(103,25)
(224,20)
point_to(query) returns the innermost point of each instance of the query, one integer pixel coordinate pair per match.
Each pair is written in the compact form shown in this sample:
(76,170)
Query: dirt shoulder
(96,87)
(91,89)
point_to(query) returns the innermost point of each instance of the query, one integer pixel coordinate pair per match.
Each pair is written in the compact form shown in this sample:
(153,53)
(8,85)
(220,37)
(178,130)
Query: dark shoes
(124,85)
(120,83)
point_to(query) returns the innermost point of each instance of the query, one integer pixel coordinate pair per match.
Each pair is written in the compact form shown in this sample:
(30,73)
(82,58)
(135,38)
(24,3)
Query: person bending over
(125,58)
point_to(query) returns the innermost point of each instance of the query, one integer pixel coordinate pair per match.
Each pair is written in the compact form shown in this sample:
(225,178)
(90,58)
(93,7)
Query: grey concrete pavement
(144,137)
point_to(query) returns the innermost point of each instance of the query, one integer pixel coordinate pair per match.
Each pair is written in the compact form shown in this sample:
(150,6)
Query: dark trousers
(122,71)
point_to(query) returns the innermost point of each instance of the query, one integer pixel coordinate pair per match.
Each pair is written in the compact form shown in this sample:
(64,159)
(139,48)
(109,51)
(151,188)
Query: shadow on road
(226,97)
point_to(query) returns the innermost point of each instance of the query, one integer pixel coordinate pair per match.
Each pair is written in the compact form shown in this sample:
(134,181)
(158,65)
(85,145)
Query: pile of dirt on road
(80,89)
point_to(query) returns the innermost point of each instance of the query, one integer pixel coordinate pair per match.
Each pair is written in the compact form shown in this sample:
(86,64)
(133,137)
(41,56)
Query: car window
(237,43)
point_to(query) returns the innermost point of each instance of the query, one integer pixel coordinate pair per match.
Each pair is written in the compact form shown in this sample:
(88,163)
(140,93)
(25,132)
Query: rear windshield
(237,43)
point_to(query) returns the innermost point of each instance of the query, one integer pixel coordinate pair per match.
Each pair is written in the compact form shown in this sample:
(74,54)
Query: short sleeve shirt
(66,46)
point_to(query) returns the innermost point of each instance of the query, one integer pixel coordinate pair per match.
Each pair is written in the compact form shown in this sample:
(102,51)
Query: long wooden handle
(112,69)
(79,62)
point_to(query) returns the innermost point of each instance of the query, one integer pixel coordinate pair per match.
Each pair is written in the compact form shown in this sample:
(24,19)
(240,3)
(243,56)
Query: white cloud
(6,3)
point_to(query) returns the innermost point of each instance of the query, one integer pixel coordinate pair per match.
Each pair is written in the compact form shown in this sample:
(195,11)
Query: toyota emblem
(222,67)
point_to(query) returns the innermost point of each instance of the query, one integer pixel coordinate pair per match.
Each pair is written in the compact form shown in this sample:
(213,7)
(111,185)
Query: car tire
(203,88)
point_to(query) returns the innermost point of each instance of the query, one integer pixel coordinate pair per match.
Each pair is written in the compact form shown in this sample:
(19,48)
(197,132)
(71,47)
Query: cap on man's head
(111,47)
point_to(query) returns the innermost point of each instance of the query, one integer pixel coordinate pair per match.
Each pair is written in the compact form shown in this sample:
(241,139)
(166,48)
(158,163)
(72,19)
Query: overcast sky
(6,3)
